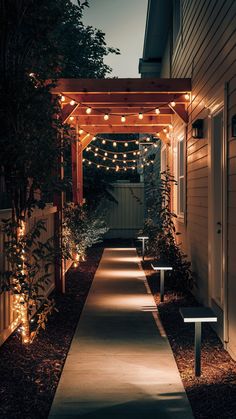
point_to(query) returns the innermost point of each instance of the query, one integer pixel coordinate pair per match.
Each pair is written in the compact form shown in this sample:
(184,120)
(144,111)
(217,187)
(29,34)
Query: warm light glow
(165,130)
(103,141)
(123,118)
(95,154)
(148,139)
(114,144)
(72,102)
(140,115)
(81,131)
(134,153)
(107,168)
(187,97)
(63,98)
(94,138)
(106,116)
(105,154)
(88,110)
(104,158)
(126,144)
(136,142)
(170,126)
(71,118)
(124,155)
(173,104)
(89,162)
(133,168)
(157,110)
(115,156)
(98,166)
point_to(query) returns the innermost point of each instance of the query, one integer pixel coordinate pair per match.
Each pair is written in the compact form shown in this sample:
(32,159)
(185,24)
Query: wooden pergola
(85,102)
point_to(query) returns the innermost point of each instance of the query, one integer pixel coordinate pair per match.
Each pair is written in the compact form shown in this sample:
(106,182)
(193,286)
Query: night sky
(123,21)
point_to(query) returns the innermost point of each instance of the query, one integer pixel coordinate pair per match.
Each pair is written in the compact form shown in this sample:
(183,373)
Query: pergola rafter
(117,97)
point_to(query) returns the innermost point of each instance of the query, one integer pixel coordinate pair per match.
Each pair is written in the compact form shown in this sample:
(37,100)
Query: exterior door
(217,207)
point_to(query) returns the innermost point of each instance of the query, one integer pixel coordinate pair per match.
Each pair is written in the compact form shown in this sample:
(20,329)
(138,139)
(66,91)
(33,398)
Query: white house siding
(206,51)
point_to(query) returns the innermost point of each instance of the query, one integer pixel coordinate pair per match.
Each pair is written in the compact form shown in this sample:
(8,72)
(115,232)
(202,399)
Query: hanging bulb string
(127,167)
(106,114)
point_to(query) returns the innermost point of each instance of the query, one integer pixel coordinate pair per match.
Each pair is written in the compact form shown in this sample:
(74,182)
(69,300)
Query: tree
(40,41)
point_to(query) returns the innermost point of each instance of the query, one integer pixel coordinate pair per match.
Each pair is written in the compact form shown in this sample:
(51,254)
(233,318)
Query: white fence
(126,217)
(8,320)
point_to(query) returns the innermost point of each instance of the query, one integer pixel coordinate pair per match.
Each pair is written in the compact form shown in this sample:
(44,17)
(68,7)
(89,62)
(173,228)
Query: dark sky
(123,21)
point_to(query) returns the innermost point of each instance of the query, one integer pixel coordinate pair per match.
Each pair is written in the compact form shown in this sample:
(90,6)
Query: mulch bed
(29,375)
(213,395)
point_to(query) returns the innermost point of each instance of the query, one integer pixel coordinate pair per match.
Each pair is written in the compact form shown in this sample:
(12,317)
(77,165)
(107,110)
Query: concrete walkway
(120,364)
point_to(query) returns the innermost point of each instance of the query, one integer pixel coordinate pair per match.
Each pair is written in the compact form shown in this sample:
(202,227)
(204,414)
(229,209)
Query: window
(180,179)
(163,158)
(176,19)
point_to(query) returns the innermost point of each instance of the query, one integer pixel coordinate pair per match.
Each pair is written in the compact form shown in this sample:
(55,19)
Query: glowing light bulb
(106,116)
(117,168)
(125,169)
(95,154)
(148,139)
(94,138)
(140,115)
(170,126)
(136,142)
(83,160)
(103,141)
(105,154)
(89,162)
(107,168)
(145,149)
(134,153)
(115,156)
(187,97)
(147,164)
(157,110)
(72,102)
(124,161)
(124,155)
(63,98)
(164,130)
(126,144)
(71,118)
(133,168)
(104,158)
(173,104)
(113,160)
(98,166)
(123,118)
(96,149)
(114,144)
(81,131)
(138,152)
(134,161)
(88,110)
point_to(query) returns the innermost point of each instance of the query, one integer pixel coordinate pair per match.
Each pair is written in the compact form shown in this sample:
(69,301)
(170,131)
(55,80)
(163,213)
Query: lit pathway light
(143,238)
(198,315)
(162,267)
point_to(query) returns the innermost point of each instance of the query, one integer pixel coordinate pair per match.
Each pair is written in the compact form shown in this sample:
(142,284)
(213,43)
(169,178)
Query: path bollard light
(162,267)
(198,315)
(143,238)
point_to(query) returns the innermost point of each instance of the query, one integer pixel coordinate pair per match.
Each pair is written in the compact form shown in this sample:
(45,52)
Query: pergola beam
(107,99)
(131,120)
(70,86)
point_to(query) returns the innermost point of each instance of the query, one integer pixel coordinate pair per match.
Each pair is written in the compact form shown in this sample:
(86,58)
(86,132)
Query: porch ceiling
(117,97)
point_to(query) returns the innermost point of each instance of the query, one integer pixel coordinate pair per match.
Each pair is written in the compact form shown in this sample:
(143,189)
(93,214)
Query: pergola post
(77,168)
(58,220)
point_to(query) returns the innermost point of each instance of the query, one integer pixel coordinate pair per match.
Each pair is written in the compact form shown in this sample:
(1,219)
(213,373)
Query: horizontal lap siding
(206,52)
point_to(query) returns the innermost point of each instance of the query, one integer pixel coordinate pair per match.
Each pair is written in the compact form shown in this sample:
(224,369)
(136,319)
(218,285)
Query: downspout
(225,218)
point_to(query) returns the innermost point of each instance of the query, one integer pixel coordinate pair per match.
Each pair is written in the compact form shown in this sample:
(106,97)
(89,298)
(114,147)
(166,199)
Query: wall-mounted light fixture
(233,125)
(197,129)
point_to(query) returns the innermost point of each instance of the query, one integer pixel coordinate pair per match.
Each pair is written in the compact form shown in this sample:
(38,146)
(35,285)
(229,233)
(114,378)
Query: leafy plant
(28,275)
(81,229)
(160,228)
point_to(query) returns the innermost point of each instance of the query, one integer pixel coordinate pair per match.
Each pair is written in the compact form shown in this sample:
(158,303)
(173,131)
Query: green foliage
(160,228)
(81,229)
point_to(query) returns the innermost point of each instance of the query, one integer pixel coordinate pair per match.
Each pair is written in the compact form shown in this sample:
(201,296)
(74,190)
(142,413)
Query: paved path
(120,364)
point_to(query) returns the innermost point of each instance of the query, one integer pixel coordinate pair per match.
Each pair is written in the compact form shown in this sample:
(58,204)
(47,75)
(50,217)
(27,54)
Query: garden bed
(213,395)
(30,374)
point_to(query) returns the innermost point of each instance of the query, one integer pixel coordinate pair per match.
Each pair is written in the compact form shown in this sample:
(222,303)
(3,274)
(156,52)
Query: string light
(126,144)
(71,118)
(105,153)
(157,110)
(173,104)
(88,110)
(103,141)
(115,156)
(124,155)
(63,98)
(72,102)
(81,131)
(140,115)
(123,118)
(187,97)
(164,130)
(94,138)
(106,116)
(114,144)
